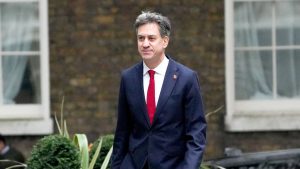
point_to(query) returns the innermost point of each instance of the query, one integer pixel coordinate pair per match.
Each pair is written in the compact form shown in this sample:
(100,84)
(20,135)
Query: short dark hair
(153,17)
(2,138)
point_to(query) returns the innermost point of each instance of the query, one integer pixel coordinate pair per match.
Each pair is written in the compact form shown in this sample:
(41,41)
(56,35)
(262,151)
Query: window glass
(21,79)
(288,73)
(20,71)
(19,26)
(253,75)
(288,23)
(252,24)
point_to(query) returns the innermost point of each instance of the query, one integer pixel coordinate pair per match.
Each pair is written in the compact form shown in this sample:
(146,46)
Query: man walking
(161,123)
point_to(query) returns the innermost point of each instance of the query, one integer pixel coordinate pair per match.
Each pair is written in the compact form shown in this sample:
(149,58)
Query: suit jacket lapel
(141,99)
(170,79)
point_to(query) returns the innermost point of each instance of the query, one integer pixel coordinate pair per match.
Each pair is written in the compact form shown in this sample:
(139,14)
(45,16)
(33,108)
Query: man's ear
(165,41)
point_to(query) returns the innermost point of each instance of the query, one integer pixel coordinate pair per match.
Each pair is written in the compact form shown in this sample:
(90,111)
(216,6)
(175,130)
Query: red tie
(151,96)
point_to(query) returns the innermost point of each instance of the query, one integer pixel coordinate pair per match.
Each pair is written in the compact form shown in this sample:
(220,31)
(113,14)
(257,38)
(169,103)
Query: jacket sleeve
(120,146)
(195,124)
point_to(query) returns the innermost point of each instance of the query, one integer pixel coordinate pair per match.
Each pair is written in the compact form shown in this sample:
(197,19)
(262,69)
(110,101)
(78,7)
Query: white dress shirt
(159,77)
(5,150)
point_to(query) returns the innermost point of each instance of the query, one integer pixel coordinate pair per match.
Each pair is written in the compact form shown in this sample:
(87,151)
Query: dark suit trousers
(146,166)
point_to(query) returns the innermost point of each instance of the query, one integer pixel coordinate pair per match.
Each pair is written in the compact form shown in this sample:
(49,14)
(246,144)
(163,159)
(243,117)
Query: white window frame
(253,115)
(31,119)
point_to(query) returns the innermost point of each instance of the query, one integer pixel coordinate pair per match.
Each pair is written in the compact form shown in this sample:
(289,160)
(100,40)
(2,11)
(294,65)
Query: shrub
(55,152)
(106,145)
(62,152)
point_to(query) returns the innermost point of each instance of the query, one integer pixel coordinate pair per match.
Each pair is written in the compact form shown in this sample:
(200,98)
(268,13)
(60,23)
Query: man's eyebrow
(145,35)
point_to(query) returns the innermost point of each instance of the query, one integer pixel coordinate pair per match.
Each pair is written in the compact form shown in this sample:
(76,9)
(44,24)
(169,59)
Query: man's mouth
(146,51)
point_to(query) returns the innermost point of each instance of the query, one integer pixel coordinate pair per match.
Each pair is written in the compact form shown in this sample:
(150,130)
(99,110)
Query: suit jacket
(176,138)
(14,155)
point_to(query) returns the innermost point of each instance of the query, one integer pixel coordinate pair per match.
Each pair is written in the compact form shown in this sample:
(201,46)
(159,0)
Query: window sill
(269,122)
(26,127)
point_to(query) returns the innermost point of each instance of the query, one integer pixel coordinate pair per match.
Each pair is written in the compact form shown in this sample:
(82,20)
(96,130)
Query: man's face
(2,145)
(151,45)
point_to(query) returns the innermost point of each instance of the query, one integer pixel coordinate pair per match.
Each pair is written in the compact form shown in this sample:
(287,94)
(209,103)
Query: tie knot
(151,73)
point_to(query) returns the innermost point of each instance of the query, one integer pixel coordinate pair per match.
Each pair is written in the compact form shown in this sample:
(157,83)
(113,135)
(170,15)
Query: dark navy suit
(176,138)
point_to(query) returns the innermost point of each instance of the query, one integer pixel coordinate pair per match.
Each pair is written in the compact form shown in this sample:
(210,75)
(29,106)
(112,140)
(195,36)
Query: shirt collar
(4,150)
(160,69)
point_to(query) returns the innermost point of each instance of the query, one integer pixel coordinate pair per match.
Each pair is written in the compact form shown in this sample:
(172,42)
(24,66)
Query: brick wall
(92,41)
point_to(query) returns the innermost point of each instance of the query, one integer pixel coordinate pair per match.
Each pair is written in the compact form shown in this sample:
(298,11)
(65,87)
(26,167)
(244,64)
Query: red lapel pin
(174,77)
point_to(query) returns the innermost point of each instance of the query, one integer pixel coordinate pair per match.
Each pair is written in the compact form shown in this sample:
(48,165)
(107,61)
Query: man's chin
(147,57)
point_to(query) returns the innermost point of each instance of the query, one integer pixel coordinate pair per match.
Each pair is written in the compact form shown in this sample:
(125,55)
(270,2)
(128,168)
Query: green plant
(210,166)
(106,145)
(81,142)
(62,152)
(13,164)
(207,115)
(55,152)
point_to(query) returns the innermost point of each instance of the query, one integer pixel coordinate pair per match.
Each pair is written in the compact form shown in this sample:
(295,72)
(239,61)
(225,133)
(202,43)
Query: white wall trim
(26,127)
(247,123)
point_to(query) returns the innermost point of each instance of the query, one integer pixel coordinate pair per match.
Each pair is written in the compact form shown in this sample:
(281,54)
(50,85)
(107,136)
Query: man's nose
(145,43)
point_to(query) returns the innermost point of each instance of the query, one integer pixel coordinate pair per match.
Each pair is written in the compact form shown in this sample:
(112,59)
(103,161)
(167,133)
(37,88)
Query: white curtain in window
(254,73)
(288,60)
(17,25)
(35,78)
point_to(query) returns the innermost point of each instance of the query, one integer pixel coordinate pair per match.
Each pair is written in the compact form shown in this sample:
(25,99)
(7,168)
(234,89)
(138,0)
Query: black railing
(279,159)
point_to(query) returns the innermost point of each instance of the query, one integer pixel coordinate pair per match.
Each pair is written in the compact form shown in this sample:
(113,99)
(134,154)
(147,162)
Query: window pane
(253,24)
(288,23)
(19,26)
(288,73)
(253,75)
(21,79)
